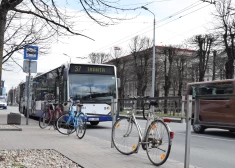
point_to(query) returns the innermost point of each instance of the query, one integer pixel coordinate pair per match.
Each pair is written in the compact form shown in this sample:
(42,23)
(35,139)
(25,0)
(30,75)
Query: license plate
(93,119)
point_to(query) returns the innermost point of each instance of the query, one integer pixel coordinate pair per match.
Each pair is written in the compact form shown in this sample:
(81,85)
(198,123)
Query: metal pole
(12,96)
(182,109)
(188,132)
(153,70)
(28,95)
(153,66)
(113,119)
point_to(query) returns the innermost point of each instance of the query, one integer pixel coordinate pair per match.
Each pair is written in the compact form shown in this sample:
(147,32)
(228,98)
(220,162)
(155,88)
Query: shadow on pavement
(220,133)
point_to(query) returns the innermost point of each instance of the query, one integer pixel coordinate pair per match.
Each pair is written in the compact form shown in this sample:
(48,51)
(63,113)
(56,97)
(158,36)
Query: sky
(194,17)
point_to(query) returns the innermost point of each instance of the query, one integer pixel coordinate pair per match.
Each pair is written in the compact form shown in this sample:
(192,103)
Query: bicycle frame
(73,116)
(150,119)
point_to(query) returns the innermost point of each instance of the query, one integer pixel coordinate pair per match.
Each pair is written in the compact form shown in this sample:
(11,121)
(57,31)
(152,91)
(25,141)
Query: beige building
(135,72)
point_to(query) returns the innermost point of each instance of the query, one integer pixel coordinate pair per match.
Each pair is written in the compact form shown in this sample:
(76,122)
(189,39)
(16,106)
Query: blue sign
(31,52)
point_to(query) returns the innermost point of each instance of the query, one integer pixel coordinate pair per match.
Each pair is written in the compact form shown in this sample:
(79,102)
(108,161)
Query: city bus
(216,112)
(94,85)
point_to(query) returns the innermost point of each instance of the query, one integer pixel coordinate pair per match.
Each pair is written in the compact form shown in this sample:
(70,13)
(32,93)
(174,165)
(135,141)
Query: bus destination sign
(91,69)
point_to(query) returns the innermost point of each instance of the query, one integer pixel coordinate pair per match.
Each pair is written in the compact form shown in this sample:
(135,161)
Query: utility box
(14,118)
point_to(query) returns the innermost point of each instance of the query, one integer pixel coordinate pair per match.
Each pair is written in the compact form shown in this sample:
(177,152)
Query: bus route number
(77,68)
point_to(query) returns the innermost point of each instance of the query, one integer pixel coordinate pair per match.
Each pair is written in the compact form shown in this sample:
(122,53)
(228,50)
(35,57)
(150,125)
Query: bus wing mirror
(65,74)
(118,83)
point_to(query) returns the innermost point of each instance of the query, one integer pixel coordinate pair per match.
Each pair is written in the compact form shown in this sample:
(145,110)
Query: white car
(3,103)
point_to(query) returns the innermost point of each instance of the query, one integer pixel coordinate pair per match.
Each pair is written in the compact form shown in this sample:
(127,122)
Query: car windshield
(92,87)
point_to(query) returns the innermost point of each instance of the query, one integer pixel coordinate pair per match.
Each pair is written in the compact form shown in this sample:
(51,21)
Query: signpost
(30,53)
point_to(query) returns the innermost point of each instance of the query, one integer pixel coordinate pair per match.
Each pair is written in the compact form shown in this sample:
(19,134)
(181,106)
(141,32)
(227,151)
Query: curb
(15,128)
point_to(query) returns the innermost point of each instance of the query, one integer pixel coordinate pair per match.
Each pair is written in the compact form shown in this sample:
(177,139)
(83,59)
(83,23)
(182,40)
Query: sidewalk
(89,152)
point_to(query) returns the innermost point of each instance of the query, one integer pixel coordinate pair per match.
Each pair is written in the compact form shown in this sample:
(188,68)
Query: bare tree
(168,54)
(141,48)
(99,58)
(203,45)
(46,15)
(180,64)
(120,63)
(226,31)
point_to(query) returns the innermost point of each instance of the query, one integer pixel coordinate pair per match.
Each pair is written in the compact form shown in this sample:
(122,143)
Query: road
(214,149)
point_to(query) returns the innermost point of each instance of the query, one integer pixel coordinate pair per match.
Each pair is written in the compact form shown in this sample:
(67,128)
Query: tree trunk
(229,69)
(3,15)
(214,56)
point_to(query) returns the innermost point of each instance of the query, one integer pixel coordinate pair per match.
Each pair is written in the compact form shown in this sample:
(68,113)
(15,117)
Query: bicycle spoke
(158,139)
(65,124)
(125,136)
(81,126)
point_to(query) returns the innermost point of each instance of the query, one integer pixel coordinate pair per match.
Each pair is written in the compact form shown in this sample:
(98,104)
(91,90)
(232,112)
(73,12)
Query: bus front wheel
(94,122)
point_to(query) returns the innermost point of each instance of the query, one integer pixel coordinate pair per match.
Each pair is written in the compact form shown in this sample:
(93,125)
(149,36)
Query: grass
(18,165)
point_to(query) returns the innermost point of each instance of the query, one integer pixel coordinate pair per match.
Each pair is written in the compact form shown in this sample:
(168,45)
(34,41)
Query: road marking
(209,137)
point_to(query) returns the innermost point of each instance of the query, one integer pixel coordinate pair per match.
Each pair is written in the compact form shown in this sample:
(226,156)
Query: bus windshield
(92,86)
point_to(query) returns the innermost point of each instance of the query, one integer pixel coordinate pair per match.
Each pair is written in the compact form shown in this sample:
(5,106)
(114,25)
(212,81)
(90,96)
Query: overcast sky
(196,19)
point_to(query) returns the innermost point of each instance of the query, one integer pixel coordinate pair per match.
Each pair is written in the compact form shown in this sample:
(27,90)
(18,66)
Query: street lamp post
(69,57)
(153,66)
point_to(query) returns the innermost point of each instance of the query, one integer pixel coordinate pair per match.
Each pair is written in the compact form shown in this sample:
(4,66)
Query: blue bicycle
(73,121)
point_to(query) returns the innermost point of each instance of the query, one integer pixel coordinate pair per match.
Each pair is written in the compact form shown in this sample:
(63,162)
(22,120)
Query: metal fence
(165,106)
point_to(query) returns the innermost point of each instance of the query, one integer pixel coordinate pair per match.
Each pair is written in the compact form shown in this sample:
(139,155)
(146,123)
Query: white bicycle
(156,139)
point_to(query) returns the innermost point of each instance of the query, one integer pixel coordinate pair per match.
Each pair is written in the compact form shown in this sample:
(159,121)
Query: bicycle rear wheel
(44,120)
(125,136)
(65,124)
(81,126)
(158,142)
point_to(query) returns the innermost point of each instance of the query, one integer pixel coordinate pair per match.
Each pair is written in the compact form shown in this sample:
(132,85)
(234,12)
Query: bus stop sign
(31,52)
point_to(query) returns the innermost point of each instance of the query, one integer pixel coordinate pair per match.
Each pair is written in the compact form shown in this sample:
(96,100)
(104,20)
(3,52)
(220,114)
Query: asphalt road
(213,149)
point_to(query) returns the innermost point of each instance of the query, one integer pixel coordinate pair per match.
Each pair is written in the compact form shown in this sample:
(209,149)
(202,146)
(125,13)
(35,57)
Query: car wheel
(198,128)
(94,122)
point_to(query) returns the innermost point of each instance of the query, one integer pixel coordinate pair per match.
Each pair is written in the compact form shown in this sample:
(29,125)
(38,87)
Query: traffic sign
(31,52)
(33,66)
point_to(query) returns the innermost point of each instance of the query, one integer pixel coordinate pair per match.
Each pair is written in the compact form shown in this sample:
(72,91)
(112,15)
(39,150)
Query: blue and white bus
(92,84)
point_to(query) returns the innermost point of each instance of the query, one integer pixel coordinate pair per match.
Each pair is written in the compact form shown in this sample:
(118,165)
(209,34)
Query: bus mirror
(65,74)
(118,83)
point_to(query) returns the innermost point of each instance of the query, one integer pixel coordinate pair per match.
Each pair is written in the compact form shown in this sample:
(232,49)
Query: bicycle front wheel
(65,124)
(158,142)
(81,126)
(125,136)
(44,120)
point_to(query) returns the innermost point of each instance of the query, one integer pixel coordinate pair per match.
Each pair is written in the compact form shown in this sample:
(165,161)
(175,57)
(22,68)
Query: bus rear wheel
(94,122)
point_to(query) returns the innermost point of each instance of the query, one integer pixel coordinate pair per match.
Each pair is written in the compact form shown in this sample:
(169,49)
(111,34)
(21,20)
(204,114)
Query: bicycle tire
(158,142)
(44,120)
(125,136)
(65,124)
(81,126)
